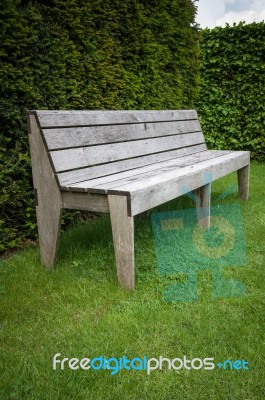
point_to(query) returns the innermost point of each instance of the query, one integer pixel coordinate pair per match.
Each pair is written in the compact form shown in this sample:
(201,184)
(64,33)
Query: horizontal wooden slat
(111,181)
(70,177)
(81,157)
(57,118)
(60,138)
(156,179)
(165,187)
(85,201)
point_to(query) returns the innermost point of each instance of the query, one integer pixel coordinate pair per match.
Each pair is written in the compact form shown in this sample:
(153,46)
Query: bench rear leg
(123,237)
(203,205)
(243,182)
(48,196)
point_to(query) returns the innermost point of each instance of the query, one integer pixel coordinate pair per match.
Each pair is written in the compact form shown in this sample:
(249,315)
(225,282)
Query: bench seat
(124,163)
(150,186)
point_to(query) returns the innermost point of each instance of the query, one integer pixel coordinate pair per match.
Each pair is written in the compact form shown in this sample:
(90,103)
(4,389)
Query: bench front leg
(123,238)
(243,182)
(49,213)
(203,205)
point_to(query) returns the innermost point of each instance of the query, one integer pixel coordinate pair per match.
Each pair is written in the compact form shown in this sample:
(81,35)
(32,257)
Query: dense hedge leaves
(232,94)
(80,54)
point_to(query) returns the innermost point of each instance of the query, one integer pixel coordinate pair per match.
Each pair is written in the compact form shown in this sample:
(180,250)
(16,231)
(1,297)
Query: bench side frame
(48,196)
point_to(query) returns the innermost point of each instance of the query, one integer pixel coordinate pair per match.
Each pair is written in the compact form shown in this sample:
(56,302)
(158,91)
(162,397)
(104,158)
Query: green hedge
(232,94)
(96,54)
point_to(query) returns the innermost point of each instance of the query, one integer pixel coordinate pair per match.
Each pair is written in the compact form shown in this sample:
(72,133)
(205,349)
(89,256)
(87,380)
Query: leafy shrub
(232,93)
(72,54)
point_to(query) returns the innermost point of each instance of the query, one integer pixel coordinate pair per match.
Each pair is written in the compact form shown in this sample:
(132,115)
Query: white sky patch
(247,16)
(218,13)
(209,11)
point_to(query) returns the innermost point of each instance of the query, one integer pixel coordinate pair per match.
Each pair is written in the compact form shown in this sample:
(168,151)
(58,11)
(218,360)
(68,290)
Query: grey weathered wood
(243,182)
(85,201)
(157,190)
(203,205)
(84,156)
(169,169)
(62,138)
(123,237)
(125,163)
(226,163)
(79,175)
(58,118)
(112,181)
(49,201)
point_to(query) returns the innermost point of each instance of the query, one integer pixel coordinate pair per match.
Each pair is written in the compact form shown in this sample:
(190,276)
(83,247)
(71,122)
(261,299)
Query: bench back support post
(48,196)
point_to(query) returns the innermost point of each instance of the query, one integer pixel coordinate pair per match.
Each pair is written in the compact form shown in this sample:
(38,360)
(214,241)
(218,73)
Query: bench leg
(48,196)
(243,182)
(49,224)
(123,237)
(203,205)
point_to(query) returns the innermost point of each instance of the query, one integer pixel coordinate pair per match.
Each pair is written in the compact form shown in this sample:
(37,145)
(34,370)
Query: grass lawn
(79,310)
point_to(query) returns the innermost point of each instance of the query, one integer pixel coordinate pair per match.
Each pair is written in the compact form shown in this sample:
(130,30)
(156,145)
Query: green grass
(79,310)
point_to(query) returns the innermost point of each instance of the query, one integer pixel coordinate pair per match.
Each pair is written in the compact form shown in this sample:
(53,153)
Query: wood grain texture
(66,179)
(84,156)
(243,182)
(231,160)
(85,201)
(49,206)
(159,189)
(136,175)
(123,238)
(62,138)
(59,118)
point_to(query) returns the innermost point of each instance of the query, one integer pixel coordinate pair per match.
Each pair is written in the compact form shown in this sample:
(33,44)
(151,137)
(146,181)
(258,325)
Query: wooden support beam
(203,204)
(123,238)
(48,196)
(243,182)
(85,201)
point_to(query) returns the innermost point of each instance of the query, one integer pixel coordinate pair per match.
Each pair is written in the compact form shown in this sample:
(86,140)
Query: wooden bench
(122,163)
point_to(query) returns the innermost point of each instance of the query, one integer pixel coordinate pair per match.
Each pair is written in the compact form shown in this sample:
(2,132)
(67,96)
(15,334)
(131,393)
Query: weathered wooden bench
(124,163)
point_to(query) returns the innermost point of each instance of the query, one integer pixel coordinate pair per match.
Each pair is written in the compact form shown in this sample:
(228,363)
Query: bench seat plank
(67,178)
(149,193)
(153,178)
(111,181)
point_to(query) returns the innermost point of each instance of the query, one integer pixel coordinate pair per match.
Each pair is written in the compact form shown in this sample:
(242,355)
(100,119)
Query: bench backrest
(87,144)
